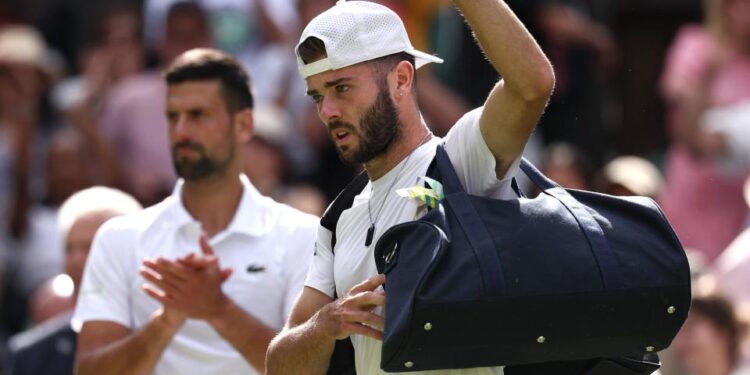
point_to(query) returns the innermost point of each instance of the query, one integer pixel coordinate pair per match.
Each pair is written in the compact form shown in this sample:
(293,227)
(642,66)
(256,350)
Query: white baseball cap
(357,31)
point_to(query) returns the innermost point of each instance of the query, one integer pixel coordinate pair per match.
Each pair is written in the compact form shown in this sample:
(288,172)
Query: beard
(201,168)
(379,128)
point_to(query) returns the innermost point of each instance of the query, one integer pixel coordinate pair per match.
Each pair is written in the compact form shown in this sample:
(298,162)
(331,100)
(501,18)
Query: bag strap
(472,225)
(341,203)
(608,266)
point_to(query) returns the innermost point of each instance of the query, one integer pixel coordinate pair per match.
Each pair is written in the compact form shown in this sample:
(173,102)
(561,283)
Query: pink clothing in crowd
(135,122)
(703,203)
(732,269)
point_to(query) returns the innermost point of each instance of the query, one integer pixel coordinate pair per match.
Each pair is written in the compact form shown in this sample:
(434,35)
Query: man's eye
(317,98)
(342,88)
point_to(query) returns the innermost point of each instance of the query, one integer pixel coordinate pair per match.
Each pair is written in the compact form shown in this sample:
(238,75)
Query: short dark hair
(205,64)
(313,49)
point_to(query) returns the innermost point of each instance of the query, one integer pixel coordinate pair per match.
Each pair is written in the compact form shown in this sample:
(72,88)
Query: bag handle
(608,266)
(472,225)
(484,247)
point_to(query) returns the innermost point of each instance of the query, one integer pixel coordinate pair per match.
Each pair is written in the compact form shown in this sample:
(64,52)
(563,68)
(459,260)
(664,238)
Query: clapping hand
(191,284)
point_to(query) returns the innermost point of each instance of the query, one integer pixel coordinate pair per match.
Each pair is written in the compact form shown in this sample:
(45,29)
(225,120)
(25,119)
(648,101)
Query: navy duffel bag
(568,275)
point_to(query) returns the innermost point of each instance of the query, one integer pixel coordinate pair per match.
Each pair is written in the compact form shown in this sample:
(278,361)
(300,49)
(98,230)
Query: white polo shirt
(354,262)
(268,245)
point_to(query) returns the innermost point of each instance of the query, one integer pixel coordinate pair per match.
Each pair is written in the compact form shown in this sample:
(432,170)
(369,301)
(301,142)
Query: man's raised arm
(515,104)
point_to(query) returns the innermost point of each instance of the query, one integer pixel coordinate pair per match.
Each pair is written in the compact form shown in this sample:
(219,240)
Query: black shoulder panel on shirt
(343,201)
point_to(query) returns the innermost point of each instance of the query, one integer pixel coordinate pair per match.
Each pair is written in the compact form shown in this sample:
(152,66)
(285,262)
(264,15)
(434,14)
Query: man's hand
(353,313)
(191,285)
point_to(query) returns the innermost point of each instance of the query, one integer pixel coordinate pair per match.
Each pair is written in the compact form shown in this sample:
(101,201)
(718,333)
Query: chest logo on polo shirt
(256,268)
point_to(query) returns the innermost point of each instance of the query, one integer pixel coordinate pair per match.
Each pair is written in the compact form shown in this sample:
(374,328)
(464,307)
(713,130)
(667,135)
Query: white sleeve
(733,122)
(473,160)
(320,276)
(298,255)
(104,292)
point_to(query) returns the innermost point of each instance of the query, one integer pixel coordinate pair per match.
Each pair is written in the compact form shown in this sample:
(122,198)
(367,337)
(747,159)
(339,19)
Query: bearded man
(151,302)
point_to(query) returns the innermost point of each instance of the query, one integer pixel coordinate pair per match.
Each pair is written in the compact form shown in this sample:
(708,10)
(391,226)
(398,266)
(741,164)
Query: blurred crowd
(661,110)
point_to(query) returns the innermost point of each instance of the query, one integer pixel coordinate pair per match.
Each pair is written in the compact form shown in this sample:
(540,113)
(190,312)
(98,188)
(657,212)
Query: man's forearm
(246,333)
(300,350)
(509,47)
(134,354)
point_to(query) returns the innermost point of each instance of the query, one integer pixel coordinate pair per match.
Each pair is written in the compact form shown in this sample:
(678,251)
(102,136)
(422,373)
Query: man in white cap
(359,66)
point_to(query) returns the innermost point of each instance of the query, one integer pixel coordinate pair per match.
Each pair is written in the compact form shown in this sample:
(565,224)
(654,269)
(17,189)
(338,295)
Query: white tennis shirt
(354,262)
(268,245)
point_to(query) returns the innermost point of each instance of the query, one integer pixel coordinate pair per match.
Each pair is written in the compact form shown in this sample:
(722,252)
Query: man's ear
(404,77)
(244,125)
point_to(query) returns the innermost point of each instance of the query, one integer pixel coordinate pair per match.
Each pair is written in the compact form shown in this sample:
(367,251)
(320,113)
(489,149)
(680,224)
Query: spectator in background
(49,348)
(584,55)
(732,268)
(25,74)
(236,24)
(70,164)
(48,166)
(193,316)
(113,53)
(632,175)
(40,252)
(568,166)
(26,71)
(707,66)
(709,341)
(729,276)
(729,126)
(133,119)
(257,32)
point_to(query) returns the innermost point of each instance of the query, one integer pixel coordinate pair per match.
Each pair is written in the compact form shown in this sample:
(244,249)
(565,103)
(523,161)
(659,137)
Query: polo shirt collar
(248,219)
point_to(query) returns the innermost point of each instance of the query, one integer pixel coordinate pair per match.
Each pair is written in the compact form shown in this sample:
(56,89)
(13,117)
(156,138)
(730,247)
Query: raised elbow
(541,88)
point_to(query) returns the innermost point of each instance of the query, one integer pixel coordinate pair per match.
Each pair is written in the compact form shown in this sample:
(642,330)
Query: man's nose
(329,110)
(181,128)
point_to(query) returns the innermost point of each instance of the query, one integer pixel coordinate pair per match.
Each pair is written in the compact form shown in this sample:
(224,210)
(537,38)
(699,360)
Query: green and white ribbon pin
(429,196)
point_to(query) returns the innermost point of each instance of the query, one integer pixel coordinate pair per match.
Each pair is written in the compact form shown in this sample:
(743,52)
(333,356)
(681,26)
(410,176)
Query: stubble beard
(380,127)
(203,167)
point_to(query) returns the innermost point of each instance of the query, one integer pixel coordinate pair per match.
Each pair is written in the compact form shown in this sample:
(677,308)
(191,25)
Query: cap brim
(313,68)
(322,65)
(421,58)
